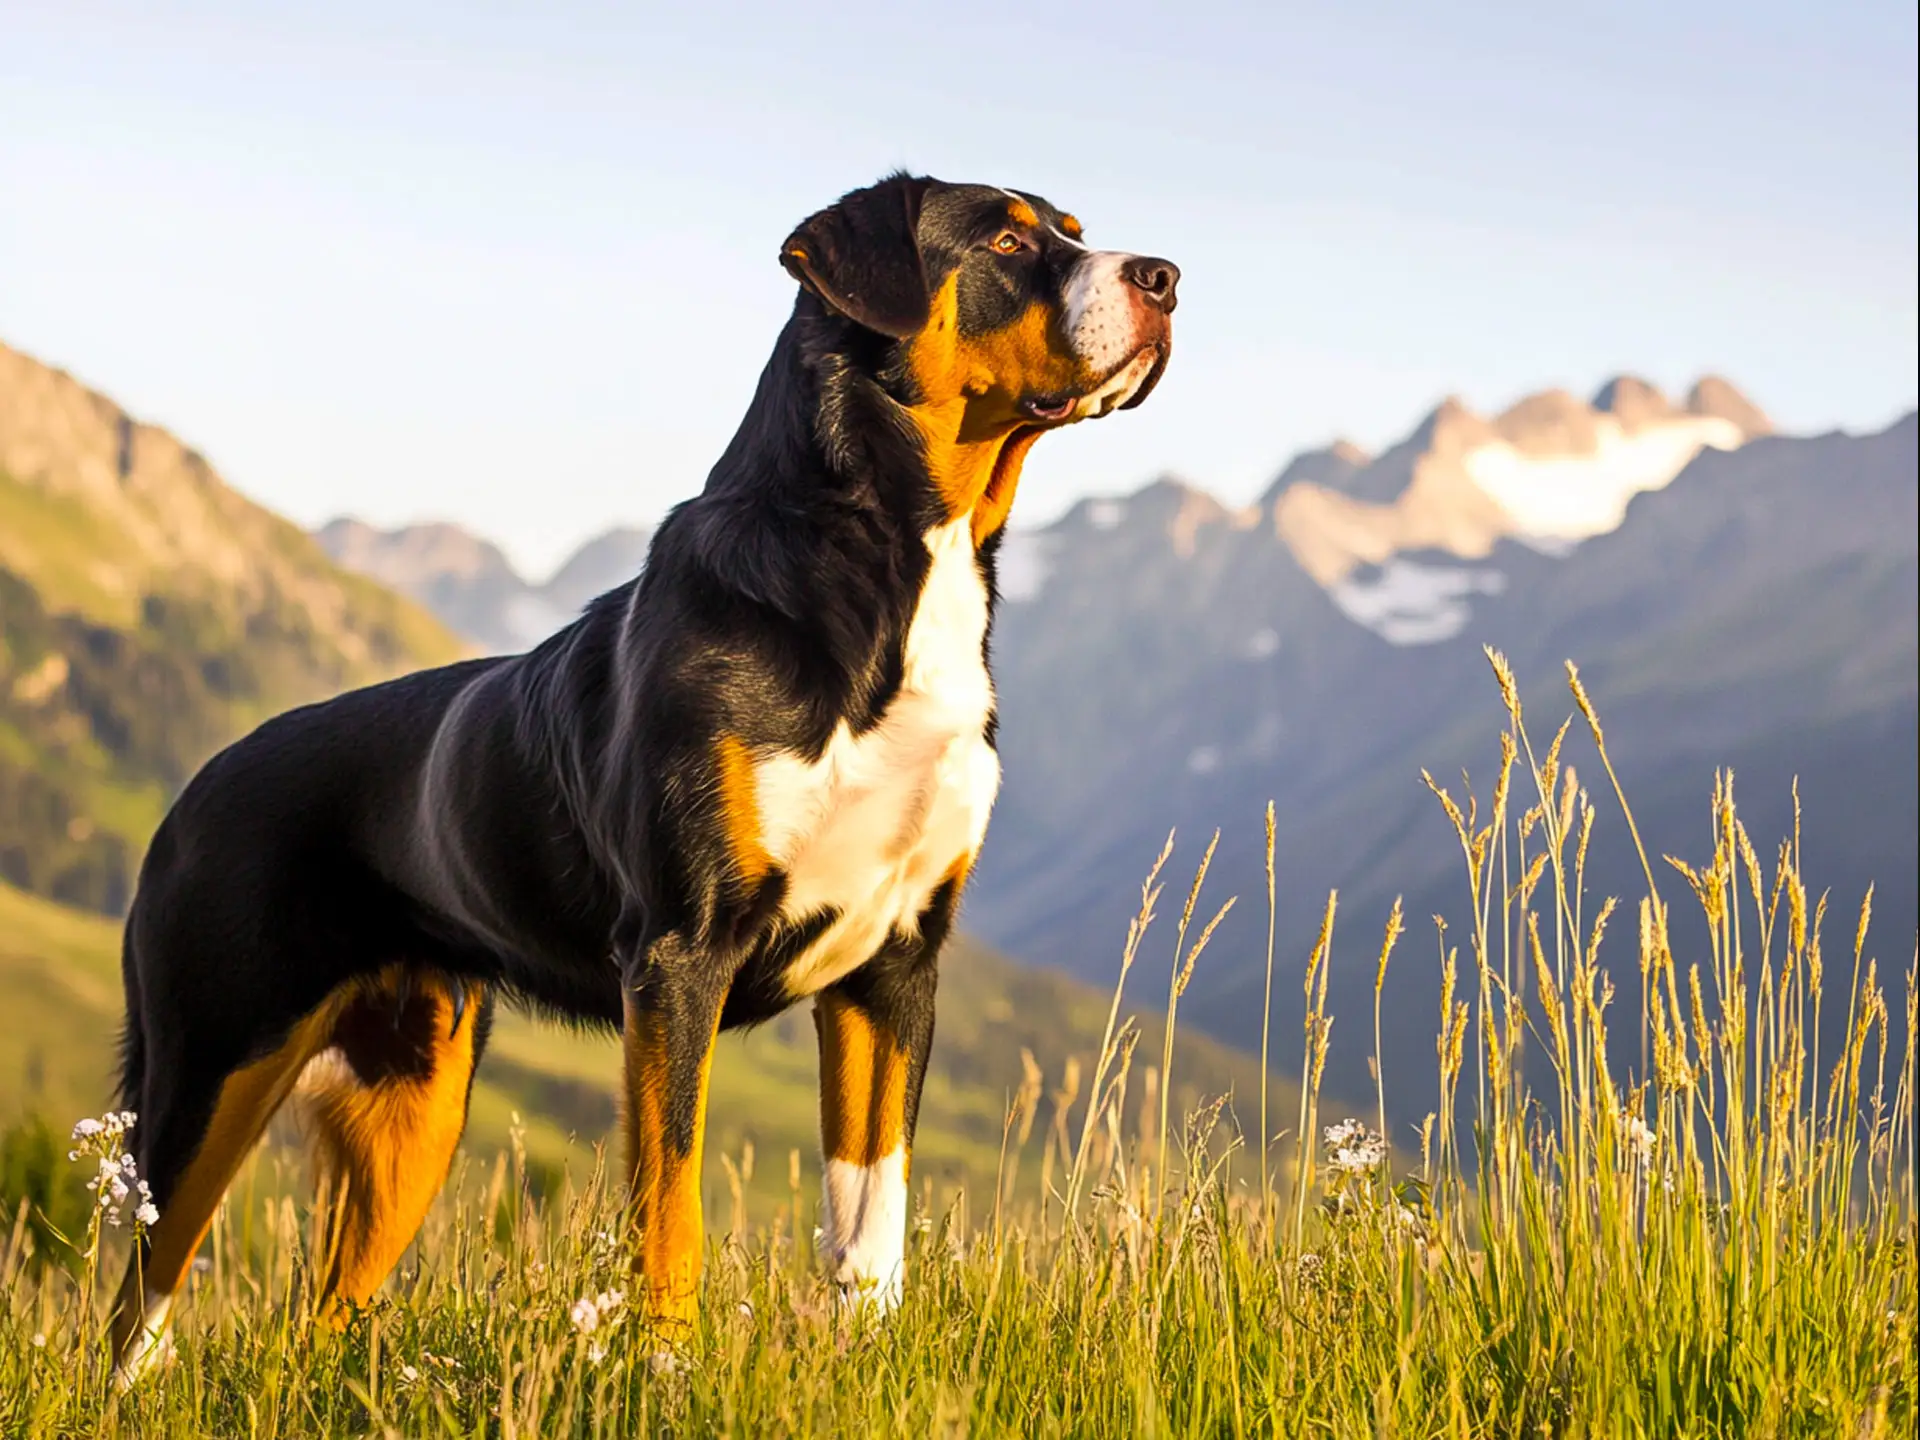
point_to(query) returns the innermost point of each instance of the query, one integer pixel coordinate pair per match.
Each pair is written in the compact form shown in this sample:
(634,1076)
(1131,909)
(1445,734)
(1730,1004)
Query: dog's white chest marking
(872,827)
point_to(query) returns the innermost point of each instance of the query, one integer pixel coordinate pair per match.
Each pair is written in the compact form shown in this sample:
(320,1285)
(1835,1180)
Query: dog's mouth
(1125,387)
(1048,409)
(1156,366)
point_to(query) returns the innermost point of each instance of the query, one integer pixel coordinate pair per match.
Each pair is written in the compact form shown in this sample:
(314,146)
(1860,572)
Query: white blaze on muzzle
(1105,313)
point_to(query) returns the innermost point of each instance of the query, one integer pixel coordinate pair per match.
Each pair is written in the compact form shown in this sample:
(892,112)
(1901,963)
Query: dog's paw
(149,1351)
(864,1289)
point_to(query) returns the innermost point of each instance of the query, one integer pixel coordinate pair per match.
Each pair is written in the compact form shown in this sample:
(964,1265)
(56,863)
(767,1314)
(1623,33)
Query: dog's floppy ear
(861,256)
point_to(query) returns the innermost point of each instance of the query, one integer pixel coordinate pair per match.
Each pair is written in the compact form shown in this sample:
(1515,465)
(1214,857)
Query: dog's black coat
(543,826)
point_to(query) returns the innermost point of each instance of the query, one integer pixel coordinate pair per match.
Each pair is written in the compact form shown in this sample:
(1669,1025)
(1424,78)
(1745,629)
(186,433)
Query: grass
(59,546)
(1717,1242)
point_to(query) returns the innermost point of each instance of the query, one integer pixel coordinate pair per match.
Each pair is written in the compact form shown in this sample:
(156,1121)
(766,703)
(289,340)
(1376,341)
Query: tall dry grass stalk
(1266,1026)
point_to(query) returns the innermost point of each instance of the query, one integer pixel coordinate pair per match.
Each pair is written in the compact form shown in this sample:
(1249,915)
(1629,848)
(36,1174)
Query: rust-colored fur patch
(664,1198)
(968,389)
(386,1139)
(740,808)
(863,1084)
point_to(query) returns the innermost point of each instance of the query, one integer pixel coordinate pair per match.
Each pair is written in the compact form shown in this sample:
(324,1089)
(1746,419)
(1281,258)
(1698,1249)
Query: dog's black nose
(1155,276)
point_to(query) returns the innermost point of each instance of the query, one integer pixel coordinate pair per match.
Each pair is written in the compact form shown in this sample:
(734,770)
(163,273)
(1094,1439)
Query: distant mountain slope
(148,615)
(1167,661)
(473,587)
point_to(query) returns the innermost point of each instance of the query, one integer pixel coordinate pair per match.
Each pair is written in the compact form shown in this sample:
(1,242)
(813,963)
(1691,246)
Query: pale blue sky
(514,265)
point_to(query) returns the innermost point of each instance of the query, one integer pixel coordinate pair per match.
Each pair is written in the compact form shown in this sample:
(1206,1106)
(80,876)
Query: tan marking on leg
(384,1148)
(247,1101)
(664,1194)
(863,1084)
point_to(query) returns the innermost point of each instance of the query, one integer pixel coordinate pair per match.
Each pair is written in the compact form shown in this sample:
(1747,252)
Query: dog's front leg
(875,1028)
(673,1006)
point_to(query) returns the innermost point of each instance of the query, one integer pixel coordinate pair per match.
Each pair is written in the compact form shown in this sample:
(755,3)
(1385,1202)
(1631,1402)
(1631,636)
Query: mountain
(1733,598)
(149,614)
(609,559)
(472,586)
(1549,472)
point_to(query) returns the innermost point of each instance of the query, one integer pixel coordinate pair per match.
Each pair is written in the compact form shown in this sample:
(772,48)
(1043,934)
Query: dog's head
(1000,321)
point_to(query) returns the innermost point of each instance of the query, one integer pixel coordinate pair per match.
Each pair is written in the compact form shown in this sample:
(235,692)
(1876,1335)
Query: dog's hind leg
(191,1148)
(387,1107)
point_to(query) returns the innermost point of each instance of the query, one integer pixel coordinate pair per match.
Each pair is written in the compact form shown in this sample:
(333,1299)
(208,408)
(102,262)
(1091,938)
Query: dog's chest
(873,827)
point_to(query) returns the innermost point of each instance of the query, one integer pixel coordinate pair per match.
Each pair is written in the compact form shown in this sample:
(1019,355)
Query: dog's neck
(973,464)
(832,418)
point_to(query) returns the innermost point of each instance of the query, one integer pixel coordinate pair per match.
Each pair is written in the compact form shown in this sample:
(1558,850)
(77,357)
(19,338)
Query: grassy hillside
(149,614)
(60,996)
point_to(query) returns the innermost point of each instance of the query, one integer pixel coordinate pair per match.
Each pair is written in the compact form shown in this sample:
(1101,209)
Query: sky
(515,265)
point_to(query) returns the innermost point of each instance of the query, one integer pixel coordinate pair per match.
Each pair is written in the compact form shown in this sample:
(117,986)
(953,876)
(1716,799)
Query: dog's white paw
(150,1348)
(864,1231)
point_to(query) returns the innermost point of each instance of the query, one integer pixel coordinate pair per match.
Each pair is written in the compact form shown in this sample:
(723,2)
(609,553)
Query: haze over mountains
(1164,660)
(471,585)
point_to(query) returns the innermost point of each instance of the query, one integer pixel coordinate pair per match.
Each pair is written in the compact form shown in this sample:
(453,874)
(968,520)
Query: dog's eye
(1008,242)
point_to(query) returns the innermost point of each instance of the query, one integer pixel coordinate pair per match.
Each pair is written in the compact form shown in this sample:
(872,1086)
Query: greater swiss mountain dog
(757,774)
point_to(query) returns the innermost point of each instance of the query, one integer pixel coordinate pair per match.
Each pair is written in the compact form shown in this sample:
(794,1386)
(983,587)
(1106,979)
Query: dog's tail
(133,1032)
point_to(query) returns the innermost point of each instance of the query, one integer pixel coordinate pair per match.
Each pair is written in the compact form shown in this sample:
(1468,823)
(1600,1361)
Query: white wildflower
(116,1179)
(102,1136)
(586,1315)
(1637,1138)
(40,1339)
(590,1312)
(664,1362)
(1352,1149)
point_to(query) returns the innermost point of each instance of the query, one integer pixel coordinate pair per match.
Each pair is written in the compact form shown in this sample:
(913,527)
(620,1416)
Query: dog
(755,775)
